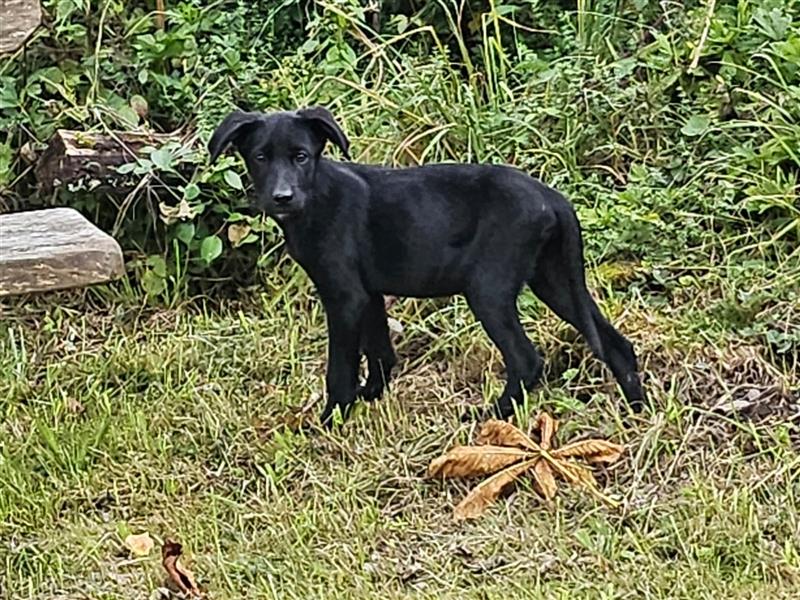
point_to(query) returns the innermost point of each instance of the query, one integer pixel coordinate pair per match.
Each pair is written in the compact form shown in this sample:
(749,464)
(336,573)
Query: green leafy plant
(619,110)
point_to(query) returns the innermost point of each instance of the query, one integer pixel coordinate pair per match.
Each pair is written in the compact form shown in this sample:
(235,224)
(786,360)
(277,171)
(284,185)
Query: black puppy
(362,231)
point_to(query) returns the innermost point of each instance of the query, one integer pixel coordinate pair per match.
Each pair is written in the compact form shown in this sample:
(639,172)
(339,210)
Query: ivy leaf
(232,179)
(185,232)
(191,191)
(308,46)
(401,21)
(695,126)
(162,158)
(152,283)
(210,248)
(158,265)
(126,168)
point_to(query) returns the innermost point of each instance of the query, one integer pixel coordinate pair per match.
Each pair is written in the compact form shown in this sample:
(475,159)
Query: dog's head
(281,151)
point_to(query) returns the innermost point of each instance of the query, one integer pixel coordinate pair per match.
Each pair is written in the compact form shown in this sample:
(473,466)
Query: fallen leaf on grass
(501,433)
(178,573)
(592,451)
(74,406)
(542,473)
(506,453)
(140,544)
(545,481)
(472,461)
(487,491)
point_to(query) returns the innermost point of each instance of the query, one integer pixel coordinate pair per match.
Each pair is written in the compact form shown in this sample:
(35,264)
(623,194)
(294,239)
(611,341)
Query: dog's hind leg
(495,307)
(560,283)
(377,346)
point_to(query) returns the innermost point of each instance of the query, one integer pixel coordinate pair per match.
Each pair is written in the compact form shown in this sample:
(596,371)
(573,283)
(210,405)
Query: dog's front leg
(344,319)
(377,345)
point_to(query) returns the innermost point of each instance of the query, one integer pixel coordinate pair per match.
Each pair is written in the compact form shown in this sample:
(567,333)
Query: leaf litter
(180,576)
(139,544)
(507,454)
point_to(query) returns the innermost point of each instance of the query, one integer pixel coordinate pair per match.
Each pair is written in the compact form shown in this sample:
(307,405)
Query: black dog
(362,231)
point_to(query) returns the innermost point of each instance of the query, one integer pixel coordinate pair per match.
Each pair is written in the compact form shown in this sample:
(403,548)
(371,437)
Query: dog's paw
(334,416)
(637,406)
(370,392)
(634,413)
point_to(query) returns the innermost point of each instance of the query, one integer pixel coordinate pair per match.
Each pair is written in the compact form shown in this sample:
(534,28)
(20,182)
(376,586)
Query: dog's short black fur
(362,231)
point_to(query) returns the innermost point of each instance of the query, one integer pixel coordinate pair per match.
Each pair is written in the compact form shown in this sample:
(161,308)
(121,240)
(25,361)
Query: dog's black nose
(282,197)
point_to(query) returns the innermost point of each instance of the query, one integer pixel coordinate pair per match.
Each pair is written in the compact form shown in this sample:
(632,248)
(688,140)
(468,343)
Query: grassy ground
(120,418)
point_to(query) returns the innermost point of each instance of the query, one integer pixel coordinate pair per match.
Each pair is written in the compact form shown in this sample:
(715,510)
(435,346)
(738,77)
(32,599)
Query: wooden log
(18,19)
(52,249)
(75,155)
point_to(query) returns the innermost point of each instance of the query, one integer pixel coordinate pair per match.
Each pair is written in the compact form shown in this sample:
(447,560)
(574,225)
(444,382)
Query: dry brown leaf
(472,461)
(237,232)
(171,214)
(580,475)
(501,433)
(74,406)
(592,451)
(140,544)
(544,479)
(547,427)
(178,573)
(487,491)
(506,447)
(575,474)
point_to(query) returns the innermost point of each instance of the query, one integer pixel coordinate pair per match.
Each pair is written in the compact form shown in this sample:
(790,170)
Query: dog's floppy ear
(229,131)
(324,124)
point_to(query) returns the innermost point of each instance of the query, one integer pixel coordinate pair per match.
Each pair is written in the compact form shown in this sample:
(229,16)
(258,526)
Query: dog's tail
(559,279)
(560,283)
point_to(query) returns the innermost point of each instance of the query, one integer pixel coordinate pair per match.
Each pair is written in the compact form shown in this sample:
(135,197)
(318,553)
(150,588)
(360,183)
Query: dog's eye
(261,157)
(301,157)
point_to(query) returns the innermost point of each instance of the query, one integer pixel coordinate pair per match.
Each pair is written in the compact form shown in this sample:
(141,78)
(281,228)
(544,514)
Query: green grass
(119,418)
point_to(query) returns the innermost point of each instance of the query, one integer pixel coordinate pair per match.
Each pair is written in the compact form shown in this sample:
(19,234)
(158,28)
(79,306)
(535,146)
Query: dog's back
(431,227)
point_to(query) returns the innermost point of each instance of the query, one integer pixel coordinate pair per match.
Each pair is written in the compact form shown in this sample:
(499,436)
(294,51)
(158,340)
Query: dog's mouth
(283,212)
(274,210)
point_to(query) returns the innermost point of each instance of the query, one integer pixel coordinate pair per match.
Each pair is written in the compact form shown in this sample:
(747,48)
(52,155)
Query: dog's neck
(319,214)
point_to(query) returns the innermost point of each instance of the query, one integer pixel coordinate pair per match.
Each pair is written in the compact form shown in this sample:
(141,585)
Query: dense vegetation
(674,130)
(674,127)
